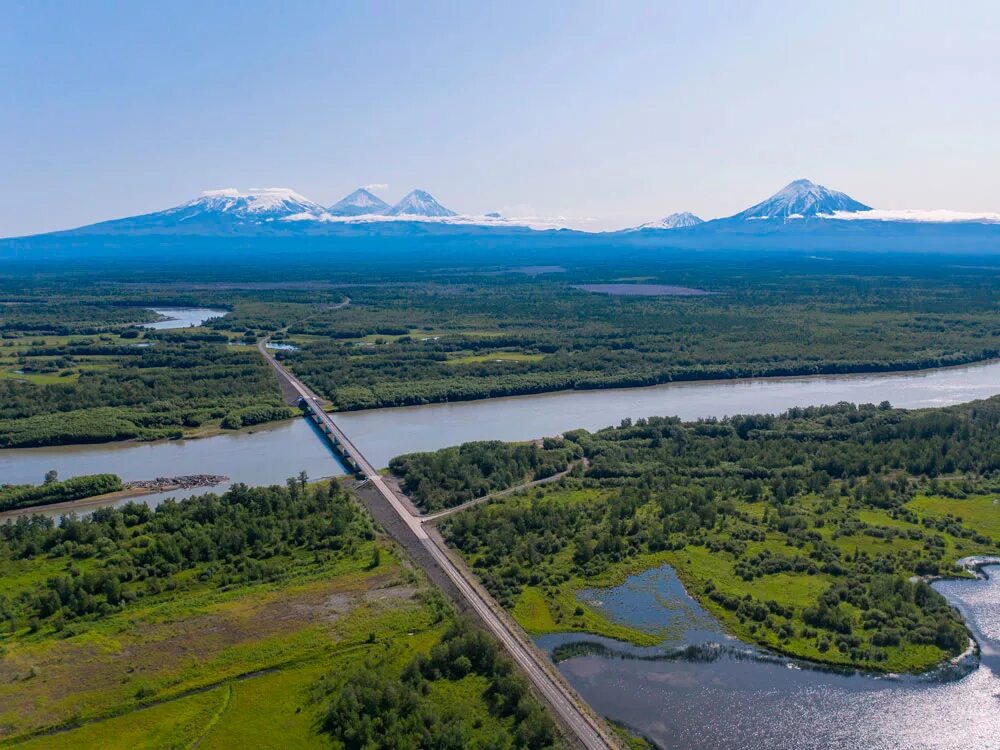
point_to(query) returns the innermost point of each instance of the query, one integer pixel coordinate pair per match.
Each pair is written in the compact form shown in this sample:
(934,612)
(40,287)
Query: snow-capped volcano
(419,203)
(680,220)
(801,199)
(803,215)
(362,201)
(256,204)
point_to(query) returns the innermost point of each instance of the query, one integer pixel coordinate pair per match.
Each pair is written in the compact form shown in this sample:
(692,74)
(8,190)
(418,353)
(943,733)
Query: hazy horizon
(608,117)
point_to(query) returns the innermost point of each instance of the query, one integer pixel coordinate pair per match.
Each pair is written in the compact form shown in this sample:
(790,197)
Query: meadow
(236,619)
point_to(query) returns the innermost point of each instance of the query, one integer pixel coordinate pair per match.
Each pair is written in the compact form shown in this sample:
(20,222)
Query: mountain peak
(800,199)
(679,220)
(419,203)
(255,203)
(362,201)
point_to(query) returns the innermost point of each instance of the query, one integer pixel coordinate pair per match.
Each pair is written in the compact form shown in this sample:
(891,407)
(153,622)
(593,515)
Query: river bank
(132,489)
(709,377)
(266,454)
(628,626)
(640,401)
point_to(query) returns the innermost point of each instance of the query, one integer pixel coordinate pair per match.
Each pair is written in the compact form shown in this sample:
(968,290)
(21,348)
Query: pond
(704,689)
(182,317)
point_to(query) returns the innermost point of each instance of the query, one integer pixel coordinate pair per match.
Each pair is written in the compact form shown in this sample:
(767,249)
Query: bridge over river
(410,530)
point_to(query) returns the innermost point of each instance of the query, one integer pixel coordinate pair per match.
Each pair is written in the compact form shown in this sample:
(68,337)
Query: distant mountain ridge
(799,199)
(802,216)
(362,202)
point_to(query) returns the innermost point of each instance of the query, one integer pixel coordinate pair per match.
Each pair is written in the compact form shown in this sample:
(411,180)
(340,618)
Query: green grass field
(153,660)
(249,665)
(501,356)
(239,670)
(981,511)
(554,609)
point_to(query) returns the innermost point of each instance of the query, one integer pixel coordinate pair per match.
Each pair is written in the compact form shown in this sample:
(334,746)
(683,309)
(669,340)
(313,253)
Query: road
(438,515)
(564,701)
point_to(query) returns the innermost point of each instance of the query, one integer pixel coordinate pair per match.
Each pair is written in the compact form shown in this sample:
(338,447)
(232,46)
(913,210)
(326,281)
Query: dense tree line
(54,491)
(424,343)
(64,316)
(373,708)
(659,484)
(447,339)
(117,555)
(448,477)
(174,381)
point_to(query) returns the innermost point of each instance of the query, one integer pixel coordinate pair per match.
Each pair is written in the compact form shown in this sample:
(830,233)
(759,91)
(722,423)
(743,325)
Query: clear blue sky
(620,112)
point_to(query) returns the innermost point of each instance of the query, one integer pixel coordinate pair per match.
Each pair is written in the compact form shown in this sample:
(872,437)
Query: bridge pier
(338,448)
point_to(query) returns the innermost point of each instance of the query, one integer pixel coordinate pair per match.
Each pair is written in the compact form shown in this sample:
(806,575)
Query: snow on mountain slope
(256,204)
(419,203)
(800,199)
(361,201)
(680,220)
(801,213)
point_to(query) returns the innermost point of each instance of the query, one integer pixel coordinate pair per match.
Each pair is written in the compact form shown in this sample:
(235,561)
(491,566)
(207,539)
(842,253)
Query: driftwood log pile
(163,484)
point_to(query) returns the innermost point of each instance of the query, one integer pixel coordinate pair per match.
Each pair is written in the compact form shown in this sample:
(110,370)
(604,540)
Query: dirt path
(438,515)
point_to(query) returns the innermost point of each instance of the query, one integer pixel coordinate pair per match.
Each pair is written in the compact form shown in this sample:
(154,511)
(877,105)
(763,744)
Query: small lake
(182,317)
(642,290)
(271,454)
(703,689)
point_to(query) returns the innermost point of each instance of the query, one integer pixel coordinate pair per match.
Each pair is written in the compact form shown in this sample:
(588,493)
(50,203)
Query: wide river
(726,696)
(271,454)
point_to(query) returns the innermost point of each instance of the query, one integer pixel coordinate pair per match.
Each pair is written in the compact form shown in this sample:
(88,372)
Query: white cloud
(534,222)
(553,222)
(523,214)
(377,187)
(940,215)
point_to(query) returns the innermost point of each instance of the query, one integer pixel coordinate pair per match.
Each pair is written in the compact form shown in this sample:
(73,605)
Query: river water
(703,689)
(719,696)
(267,455)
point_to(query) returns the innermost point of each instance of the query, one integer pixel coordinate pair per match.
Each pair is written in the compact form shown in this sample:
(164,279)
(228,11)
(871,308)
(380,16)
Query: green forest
(116,556)
(13,496)
(83,373)
(419,343)
(222,620)
(811,533)
(373,707)
(449,477)
(74,368)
